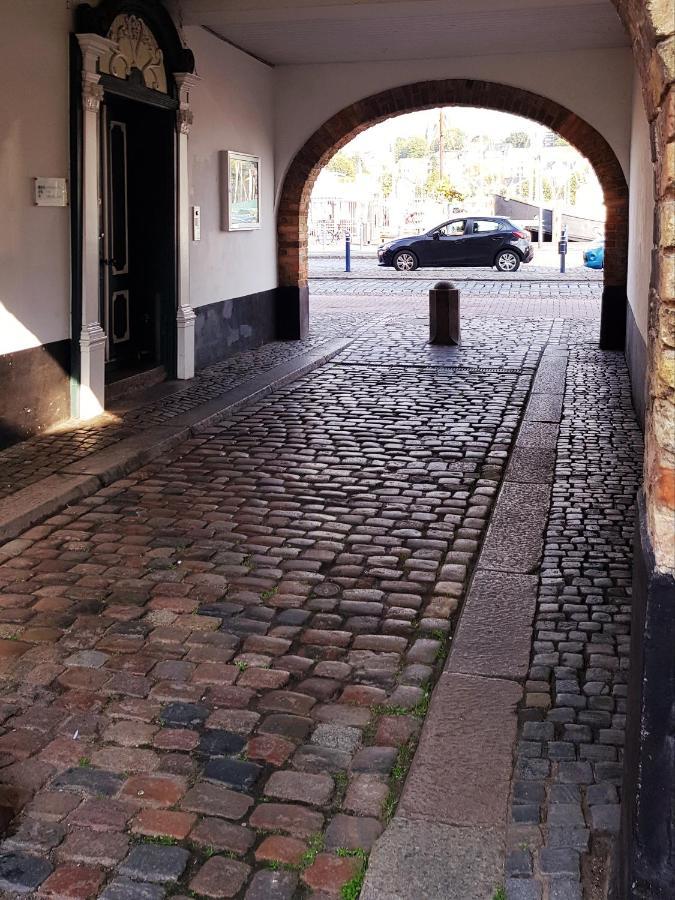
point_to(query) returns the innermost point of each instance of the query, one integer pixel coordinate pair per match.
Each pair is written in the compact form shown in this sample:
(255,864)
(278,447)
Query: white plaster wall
(595,84)
(641,212)
(233,110)
(34,241)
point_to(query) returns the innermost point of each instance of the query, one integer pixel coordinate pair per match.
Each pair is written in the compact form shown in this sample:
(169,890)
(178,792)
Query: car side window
(484,225)
(452,229)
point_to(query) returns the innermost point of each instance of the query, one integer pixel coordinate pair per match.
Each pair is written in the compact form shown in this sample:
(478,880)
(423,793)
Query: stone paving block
(471,721)
(73,882)
(531,465)
(104,848)
(298,821)
(125,889)
(235,773)
(94,782)
(328,873)
(155,863)
(22,873)
(272,886)
(220,877)
(414,852)
(546,407)
(495,632)
(522,889)
(337,737)
(352,832)
(515,537)
(303,787)
(318,759)
(215,800)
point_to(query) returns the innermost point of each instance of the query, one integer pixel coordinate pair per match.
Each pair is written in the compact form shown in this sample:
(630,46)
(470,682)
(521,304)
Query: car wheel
(507,261)
(405,261)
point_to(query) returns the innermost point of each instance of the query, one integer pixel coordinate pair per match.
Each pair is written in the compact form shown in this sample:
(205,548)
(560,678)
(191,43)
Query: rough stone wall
(345,125)
(651,26)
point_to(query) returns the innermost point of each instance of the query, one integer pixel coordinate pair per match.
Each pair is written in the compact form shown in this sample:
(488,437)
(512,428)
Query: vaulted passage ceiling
(314,31)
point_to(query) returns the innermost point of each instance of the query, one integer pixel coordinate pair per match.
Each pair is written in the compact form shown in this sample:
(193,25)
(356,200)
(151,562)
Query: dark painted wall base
(225,328)
(292,314)
(35,390)
(647,843)
(613,317)
(636,357)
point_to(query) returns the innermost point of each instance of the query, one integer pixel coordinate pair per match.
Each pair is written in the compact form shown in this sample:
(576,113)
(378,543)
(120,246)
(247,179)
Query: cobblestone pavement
(479,287)
(566,790)
(322,267)
(27,462)
(215,670)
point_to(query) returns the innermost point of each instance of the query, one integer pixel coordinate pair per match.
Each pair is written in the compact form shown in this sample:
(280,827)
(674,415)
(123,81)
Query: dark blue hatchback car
(466,241)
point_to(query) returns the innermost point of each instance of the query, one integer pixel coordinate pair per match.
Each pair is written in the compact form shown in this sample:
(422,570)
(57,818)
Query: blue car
(594,257)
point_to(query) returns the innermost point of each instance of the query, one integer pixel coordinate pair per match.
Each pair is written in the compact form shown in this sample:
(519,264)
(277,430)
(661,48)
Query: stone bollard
(444,314)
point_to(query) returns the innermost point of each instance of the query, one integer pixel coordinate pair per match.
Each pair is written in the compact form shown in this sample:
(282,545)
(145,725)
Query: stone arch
(346,124)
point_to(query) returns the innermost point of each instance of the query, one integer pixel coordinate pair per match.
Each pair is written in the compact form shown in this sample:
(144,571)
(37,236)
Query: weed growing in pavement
(267,595)
(397,777)
(421,708)
(277,866)
(351,890)
(341,781)
(499,894)
(241,664)
(163,839)
(84,762)
(316,845)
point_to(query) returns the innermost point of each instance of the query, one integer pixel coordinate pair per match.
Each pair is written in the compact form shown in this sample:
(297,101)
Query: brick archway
(293,313)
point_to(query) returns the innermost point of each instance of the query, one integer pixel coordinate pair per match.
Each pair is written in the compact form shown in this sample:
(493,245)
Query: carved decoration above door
(150,50)
(137,51)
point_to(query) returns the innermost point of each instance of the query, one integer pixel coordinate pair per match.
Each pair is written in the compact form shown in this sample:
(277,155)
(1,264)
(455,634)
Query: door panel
(450,247)
(138,247)
(116,245)
(483,241)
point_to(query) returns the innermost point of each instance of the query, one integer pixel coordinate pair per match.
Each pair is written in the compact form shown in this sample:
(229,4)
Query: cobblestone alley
(217,669)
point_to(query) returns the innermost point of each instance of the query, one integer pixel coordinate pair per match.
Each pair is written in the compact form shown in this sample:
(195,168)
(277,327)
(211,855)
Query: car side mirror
(436,235)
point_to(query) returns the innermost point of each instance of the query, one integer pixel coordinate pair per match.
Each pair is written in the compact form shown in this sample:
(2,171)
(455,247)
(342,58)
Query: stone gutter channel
(448,838)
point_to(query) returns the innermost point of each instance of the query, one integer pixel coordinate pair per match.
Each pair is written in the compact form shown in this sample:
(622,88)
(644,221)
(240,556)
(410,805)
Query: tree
(453,139)
(518,139)
(386,184)
(442,189)
(416,147)
(343,165)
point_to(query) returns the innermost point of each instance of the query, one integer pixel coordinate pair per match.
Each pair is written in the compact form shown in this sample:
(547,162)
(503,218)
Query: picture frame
(240,191)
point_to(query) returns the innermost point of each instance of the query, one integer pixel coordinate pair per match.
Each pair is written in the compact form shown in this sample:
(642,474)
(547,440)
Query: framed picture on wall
(240,191)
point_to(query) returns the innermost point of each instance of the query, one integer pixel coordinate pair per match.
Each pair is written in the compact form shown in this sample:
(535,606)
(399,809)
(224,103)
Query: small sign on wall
(51,191)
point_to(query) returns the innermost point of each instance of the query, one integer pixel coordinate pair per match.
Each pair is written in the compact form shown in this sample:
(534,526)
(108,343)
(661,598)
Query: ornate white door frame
(185,315)
(97,52)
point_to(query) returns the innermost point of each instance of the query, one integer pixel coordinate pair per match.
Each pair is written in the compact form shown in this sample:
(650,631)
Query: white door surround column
(91,388)
(185,315)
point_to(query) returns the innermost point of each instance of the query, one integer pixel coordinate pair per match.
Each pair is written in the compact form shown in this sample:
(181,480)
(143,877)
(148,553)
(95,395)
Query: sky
(472,121)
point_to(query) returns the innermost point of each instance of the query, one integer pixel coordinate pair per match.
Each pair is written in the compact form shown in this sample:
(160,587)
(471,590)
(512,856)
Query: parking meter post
(562,248)
(348,253)
(444,324)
